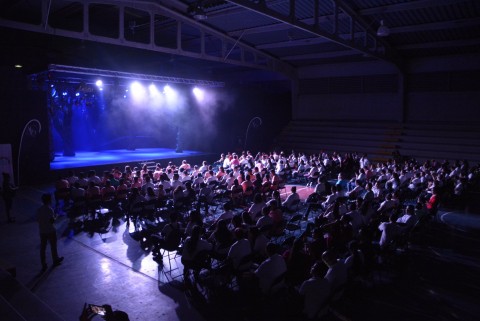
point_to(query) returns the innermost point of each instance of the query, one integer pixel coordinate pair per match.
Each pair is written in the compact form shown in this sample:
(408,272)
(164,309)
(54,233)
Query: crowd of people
(362,211)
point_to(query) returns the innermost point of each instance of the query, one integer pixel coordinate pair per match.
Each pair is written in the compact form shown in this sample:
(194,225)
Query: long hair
(192,241)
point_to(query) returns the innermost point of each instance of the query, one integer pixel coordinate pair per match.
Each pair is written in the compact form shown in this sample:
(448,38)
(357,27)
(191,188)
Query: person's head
(329,257)
(257,199)
(239,233)
(297,245)
(196,231)
(271,249)
(317,270)
(47,199)
(294,189)
(317,233)
(246,218)
(222,225)
(173,217)
(150,191)
(353,246)
(410,209)
(276,194)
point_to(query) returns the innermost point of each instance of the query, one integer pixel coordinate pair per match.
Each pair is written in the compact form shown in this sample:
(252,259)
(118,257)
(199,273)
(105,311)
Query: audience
(354,224)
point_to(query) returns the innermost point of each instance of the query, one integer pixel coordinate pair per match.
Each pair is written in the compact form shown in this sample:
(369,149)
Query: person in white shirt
(290,203)
(408,220)
(175,182)
(387,205)
(315,292)
(390,231)
(270,269)
(255,210)
(204,167)
(356,219)
(211,177)
(337,270)
(239,250)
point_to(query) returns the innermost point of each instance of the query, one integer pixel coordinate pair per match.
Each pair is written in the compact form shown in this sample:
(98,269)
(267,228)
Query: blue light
(64,93)
(77,94)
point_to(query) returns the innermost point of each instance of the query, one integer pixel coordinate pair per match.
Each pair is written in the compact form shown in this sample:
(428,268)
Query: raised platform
(121,156)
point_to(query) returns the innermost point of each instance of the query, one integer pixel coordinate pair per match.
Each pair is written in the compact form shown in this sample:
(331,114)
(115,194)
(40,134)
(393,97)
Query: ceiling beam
(305,41)
(441,44)
(452,24)
(293,43)
(407,6)
(323,55)
(262,59)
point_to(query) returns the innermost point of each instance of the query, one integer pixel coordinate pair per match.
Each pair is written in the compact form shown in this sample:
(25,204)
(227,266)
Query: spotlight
(77,94)
(153,90)
(99,83)
(18,66)
(198,93)
(137,89)
(167,90)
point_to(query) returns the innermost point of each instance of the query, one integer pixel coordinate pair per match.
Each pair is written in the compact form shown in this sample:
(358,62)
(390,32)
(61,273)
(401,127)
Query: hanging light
(383,31)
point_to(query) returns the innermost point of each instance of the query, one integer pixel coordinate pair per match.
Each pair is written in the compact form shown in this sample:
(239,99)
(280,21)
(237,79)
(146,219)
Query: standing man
(46,216)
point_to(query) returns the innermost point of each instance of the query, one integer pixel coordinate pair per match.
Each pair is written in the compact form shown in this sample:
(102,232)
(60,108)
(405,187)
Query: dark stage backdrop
(19,106)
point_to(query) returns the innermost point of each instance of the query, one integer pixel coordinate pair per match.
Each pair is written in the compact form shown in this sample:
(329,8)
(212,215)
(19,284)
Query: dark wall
(436,89)
(19,105)
(269,101)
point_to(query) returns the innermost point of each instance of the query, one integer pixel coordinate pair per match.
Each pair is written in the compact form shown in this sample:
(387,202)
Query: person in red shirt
(432,203)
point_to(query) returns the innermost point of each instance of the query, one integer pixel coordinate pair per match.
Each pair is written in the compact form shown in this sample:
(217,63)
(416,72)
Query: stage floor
(105,157)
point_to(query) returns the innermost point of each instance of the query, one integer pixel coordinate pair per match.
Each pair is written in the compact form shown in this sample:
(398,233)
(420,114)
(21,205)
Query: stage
(124,157)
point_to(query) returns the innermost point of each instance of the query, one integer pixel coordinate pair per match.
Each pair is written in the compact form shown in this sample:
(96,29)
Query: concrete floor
(439,281)
(111,269)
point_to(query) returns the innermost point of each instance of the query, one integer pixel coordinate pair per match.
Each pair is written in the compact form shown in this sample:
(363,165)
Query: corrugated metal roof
(418,28)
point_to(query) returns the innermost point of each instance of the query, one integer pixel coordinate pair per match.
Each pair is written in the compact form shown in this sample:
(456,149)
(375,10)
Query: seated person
(265,220)
(337,270)
(222,239)
(169,238)
(255,209)
(315,291)
(277,218)
(356,191)
(390,232)
(408,220)
(194,245)
(298,263)
(290,204)
(388,205)
(227,214)
(239,250)
(205,196)
(270,269)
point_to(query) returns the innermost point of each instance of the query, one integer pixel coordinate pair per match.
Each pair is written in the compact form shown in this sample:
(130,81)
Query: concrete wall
(436,89)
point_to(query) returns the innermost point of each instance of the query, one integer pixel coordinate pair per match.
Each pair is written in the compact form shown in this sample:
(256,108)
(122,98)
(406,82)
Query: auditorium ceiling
(215,37)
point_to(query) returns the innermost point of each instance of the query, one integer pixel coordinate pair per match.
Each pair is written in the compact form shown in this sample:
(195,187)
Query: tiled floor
(439,279)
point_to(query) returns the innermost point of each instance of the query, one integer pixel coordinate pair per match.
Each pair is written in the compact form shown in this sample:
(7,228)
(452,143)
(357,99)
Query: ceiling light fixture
(383,30)
(197,11)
